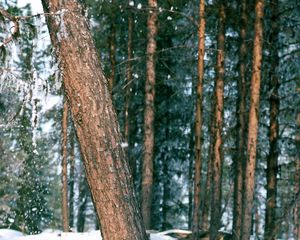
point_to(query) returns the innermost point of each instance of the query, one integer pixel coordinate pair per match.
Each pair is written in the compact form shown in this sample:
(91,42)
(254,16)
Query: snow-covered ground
(8,234)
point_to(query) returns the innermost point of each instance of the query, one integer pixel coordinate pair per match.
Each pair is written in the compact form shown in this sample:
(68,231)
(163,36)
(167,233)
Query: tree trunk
(112,48)
(82,202)
(216,200)
(72,178)
(253,121)
(207,193)
(198,121)
(64,166)
(132,160)
(86,88)
(272,159)
(239,163)
(147,174)
(297,182)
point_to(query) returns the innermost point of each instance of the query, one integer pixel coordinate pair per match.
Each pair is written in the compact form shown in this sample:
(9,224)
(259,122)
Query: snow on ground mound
(7,234)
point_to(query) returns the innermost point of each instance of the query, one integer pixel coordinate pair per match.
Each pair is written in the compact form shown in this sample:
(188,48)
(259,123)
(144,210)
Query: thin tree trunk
(253,121)
(190,177)
(198,121)
(132,160)
(216,200)
(147,173)
(112,48)
(82,203)
(72,178)
(239,164)
(64,165)
(297,182)
(86,88)
(207,192)
(272,159)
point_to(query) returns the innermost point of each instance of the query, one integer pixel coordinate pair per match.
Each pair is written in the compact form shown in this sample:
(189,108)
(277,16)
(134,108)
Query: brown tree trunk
(147,174)
(272,159)
(64,166)
(86,88)
(72,178)
(239,163)
(132,161)
(253,121)
(216,200)
(112,48)
(198,123)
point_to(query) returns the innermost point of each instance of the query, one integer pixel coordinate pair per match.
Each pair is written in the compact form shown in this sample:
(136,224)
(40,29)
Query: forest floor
(8,234)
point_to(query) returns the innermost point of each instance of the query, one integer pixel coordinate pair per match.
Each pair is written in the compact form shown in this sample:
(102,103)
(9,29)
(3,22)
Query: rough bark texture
(216,199)
(198,123)
(147,174)
(64,170)
(239,162)
(272,159)
(253,121)
(95,121)
(72,178)
(132,161)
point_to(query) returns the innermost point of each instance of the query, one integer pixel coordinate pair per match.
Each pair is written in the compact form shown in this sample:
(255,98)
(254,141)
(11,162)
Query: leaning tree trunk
(64,168)
(272,159)
(239,162)
(198,123)
(147,173)
(216,197)
(253,122)
(297,181)
(95,121)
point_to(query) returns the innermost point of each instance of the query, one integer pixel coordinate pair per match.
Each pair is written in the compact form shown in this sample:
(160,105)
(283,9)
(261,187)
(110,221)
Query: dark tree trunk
(64,165)
(272,159)
(198,121)
(239,162)
(207,192)
(72,178)
(253,122)
(147,173)
(216,199)
(297,182)
(87,91)
(82,203)
(127,124)
(112,48)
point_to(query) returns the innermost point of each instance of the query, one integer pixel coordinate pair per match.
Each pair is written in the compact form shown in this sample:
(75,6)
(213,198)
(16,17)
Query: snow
(8,234)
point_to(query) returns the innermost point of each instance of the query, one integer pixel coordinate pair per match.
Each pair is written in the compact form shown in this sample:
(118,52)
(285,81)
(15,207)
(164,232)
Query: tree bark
(253,121)
(239,163)
(147,174)
(86,88)
(272,159)
(64,165)
(198,123)
(216,200)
